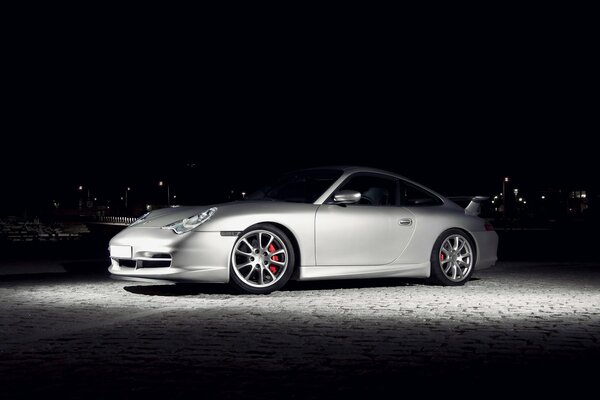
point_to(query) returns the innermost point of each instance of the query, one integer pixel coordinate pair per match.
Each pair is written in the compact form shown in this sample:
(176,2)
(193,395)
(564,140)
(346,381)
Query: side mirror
(346,197)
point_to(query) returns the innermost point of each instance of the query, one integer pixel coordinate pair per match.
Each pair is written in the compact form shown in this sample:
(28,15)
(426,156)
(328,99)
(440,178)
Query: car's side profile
(322,223)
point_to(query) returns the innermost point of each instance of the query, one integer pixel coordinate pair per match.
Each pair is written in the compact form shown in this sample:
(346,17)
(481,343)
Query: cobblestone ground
(515,328)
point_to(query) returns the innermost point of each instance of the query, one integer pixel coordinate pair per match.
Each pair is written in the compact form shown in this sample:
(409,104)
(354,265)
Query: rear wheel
(452,258)
(262,260)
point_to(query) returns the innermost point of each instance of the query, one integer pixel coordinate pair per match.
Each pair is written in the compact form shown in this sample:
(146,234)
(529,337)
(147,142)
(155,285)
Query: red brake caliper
(442,257)
(273,268)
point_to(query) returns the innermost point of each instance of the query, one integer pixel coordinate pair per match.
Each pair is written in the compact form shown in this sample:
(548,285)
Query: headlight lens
(140,219)
(187,224)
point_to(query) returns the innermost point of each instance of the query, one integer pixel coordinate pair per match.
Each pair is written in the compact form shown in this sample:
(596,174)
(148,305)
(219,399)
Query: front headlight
(140,219)
(187,224)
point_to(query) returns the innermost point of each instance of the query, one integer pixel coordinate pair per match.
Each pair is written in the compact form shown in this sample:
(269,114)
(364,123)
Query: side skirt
(362,272)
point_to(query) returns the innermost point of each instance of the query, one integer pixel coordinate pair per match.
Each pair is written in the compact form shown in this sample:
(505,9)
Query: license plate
(120,251)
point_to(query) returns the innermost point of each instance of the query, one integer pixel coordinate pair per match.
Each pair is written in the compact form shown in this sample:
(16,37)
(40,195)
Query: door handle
(405,221)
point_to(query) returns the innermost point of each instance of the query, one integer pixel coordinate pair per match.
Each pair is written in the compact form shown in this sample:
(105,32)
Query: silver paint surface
(333,241)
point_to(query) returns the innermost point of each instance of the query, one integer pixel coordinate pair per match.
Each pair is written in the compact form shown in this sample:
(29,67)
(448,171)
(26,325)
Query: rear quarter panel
(430,223)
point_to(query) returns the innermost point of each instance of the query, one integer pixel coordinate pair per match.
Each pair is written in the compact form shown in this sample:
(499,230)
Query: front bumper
(194,256)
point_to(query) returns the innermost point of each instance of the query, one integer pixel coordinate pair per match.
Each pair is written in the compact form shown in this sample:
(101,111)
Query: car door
(374,231)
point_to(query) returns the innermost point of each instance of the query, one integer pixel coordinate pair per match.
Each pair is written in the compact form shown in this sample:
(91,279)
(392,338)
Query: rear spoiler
(474,207)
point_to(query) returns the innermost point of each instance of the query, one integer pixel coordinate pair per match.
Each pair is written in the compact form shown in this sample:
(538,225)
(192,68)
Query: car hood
(165,216)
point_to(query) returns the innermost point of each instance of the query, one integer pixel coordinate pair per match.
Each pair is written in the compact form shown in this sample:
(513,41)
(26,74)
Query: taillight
(488,226)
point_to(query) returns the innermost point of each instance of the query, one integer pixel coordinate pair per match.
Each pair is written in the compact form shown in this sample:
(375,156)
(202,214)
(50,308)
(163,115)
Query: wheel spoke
(269,243)
(247,243)
(261,276)
(447,269)
(247,277)
(445,261)
(462,245)
(238,251)
(454,271)
(455,243)
(281,264)
(243,265)
(271,273)
(280,251)
(260,240)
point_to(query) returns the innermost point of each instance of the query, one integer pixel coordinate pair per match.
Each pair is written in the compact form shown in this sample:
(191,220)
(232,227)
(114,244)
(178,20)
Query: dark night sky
(465,112)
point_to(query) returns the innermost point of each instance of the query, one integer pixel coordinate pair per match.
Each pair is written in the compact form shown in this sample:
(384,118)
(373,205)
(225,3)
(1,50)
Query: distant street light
(126,195)
(543,197)
(81,187)
(161,183)
(505,199)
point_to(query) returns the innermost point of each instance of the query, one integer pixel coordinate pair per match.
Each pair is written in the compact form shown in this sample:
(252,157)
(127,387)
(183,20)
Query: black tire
(437,275)
(240,285)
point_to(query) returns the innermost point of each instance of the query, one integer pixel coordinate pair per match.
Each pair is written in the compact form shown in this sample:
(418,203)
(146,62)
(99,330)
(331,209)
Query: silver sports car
(322,223)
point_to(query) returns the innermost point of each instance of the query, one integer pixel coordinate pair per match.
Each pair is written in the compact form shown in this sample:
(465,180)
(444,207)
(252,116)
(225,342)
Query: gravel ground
(516,328)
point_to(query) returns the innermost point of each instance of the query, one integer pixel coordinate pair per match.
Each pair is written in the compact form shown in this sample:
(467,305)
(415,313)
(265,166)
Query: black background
(454,104)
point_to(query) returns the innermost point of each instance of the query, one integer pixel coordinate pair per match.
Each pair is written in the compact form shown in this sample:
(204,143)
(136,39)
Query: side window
(374,190)
(411,195)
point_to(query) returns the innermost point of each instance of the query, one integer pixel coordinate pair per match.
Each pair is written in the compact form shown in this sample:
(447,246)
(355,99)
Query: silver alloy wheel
(456,258)
(260,258)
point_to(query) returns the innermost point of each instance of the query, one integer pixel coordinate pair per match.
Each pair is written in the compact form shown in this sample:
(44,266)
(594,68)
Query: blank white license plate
(120,251)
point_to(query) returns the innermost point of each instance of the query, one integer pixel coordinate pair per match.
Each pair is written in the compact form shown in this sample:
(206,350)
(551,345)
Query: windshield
(298,187)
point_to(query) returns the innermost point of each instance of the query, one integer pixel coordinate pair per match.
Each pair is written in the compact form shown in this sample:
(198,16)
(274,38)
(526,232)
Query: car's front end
(194,244)
(166,245)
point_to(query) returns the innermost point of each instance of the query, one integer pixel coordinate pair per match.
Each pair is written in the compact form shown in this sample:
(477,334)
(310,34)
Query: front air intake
(149,260)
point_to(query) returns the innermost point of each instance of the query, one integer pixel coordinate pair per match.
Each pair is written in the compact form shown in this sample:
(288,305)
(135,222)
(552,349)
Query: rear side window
(411,195)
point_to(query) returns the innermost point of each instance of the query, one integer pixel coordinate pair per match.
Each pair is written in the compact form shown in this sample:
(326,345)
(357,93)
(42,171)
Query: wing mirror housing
(346,197)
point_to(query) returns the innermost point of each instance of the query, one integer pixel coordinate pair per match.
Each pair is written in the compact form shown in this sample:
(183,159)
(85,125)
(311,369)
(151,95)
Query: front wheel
(262,260)
(452,259)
